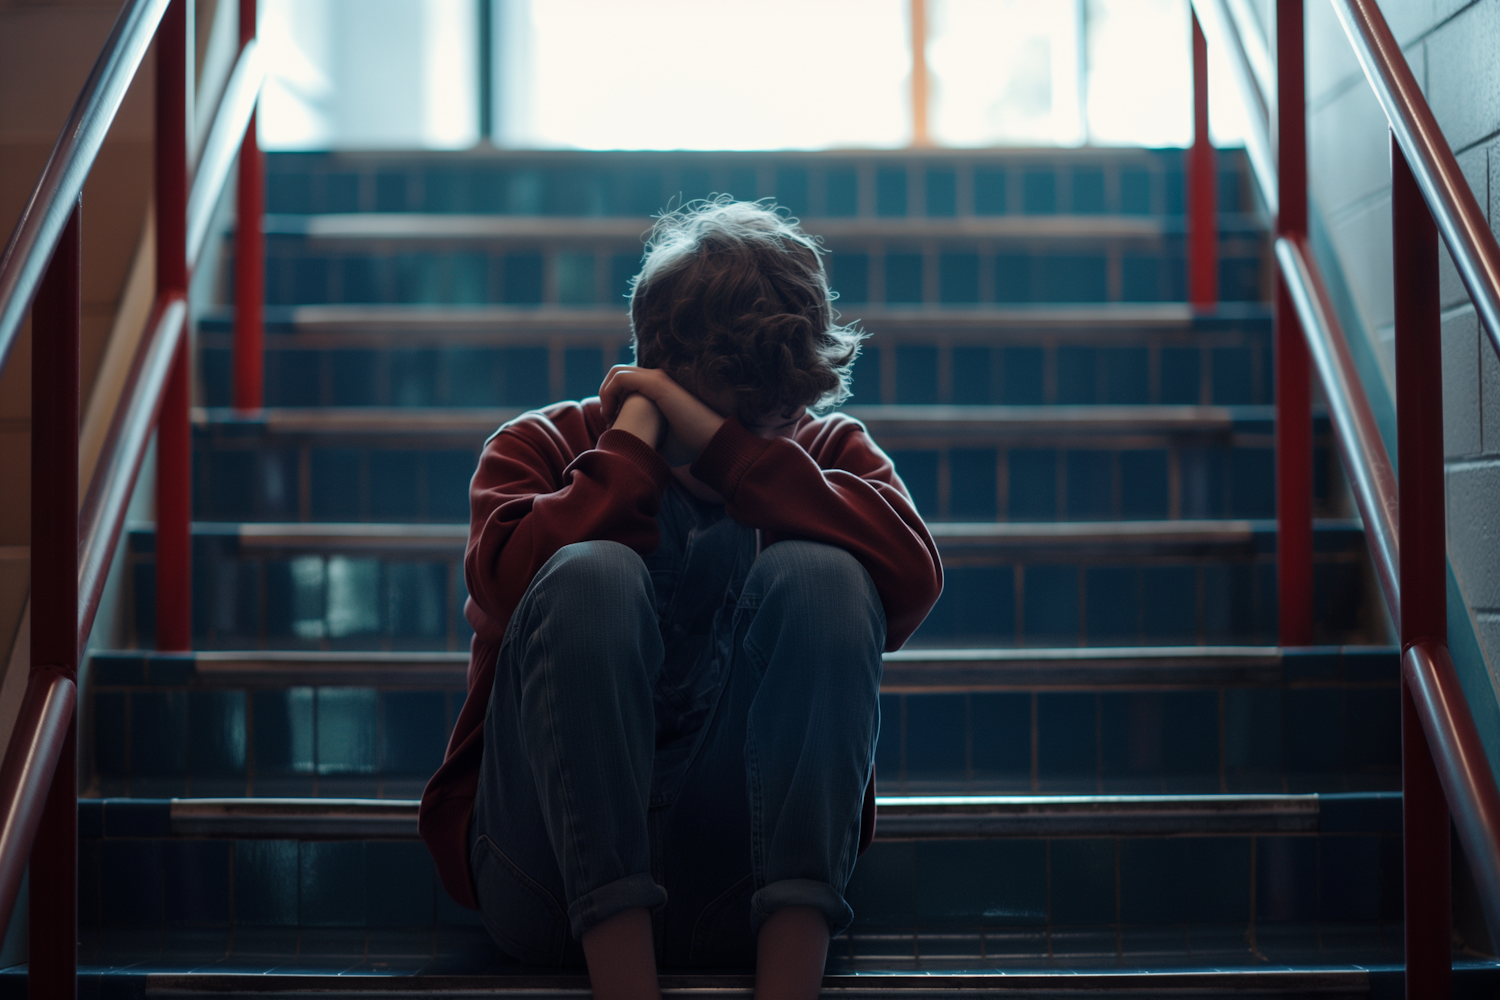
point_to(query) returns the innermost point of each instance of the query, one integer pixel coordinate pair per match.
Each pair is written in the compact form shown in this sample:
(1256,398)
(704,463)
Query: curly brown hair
(733,294)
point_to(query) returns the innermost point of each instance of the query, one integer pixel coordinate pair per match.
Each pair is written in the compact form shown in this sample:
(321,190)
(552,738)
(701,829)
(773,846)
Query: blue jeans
(689,732)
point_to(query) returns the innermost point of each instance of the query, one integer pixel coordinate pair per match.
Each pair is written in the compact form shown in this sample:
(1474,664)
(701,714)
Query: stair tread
(911,670)
(900,817)
(1293,962)
(1220,532)
(1104,419)
(490,320)
(384,226)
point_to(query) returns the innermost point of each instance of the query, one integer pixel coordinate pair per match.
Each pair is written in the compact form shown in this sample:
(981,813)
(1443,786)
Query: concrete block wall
(1452,47)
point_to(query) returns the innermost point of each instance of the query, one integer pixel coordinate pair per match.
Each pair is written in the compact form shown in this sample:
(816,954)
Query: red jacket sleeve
(832,484)
(527,500)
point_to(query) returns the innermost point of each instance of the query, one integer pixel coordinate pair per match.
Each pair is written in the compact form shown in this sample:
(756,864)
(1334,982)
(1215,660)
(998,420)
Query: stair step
(463,261)
(1127,720)
(993,206)
(349,229)
(378,585)
(840,184)
(1114,354)
(963,463)
(910,671)
(1140,873)
(399,227)
(1071,320)
(883,421)
(1000,539)
(899,818)
(1028,969)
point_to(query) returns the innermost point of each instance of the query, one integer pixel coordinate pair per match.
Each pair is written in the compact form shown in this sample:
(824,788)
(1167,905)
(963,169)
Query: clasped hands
(648,403)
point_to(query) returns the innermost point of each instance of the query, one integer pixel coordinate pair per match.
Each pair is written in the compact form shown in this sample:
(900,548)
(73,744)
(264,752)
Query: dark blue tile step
(990,865)
(906,671)
(367,323)
(226,427)
(369,260)
(843,184)
(1125,720)
(958,462)
(399,586)
(427,229)
(1023,965)
(1000,540)
(898,818)
(1121,356)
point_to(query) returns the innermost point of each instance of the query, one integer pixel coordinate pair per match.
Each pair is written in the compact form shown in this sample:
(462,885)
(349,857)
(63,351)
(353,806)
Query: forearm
(612,492)
(778,487)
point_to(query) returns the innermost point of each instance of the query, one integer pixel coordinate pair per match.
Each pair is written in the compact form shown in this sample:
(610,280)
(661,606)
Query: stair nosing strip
(986,536)
(1344,978)
(935,817)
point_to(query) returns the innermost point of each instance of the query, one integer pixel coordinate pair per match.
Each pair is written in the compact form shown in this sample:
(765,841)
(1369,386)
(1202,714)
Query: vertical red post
(1294,539)
(1424,612)
(1202,222)
(55,318)
(174,494)
(249,257)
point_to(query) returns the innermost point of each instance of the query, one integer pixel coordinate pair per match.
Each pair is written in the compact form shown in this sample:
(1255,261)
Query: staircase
(1096,770)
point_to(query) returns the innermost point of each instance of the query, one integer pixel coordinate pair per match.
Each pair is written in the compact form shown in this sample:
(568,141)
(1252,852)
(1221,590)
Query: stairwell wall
(47,48)
(46,51)
(1451,46)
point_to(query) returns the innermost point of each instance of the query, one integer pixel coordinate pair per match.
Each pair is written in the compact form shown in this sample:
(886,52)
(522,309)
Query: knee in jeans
(824,582)
(584,571)
(588,595)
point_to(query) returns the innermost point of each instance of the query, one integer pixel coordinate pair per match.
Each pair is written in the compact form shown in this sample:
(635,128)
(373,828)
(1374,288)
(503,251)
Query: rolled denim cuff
(604,902)
(801,892)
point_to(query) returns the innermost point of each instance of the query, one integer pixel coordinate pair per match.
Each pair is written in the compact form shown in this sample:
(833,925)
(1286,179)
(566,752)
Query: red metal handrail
(1445,770)
(1372,480)
(71,555)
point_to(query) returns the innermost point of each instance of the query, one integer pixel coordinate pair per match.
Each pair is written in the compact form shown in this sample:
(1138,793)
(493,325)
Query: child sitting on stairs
(680,592)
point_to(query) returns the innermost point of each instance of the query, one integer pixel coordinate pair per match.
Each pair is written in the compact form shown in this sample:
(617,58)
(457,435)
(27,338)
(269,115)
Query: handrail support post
(174,458)
(1419,442)
(1202,195)
(1294,537)
(55,324)
(249,256)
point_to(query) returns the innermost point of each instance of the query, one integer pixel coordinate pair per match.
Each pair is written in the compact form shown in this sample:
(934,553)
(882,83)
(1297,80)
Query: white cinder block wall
(1453,47)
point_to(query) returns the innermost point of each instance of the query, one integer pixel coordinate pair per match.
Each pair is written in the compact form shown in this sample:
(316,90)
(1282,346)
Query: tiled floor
(469,950)
(1287,961)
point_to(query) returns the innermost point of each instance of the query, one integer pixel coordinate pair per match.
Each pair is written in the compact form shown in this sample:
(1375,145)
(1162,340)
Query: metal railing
(73,543)
(1444,767)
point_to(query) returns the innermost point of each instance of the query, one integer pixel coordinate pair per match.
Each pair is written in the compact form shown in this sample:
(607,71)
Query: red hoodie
(557,476)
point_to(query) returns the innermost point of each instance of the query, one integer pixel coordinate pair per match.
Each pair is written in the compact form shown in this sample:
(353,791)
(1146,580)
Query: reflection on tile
(198,882)
(216,733)
(415,731)
(130,883)
(331,877)
(283,732)
(993,883)
(936,736)
(1083,881)
(1000,740)
(883,889)
(265,883)
(346,725)
(1067,742)
(399,885)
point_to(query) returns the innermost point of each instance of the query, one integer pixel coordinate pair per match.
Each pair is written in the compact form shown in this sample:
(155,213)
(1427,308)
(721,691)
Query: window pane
(684,74)
(1004,72)
(350,74)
